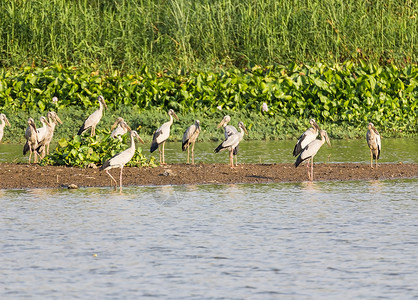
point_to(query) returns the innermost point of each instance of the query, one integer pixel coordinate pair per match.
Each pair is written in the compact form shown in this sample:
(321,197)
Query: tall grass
(125,34)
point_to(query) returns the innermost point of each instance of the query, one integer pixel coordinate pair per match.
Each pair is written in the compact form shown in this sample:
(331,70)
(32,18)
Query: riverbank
(21,176)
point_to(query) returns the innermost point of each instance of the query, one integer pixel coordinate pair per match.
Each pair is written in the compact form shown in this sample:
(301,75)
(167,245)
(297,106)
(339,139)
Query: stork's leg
(163,153)
(307,169)
(30,154)
(371,159)
(116,183)
(93,130)
(159,152)
(193,153)
(47,149)
(236,160)
(312,169)
(188,153)
(120,180)
(231,158)
(376,158)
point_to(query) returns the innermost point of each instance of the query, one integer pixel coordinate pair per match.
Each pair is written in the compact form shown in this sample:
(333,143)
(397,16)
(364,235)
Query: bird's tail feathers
(25,148)
(105,165)
(82,129)
(299,160)
(297,150)
(219,148)
(154,146)
(185,145)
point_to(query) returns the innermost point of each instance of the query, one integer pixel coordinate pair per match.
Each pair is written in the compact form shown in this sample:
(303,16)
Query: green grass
(204,34)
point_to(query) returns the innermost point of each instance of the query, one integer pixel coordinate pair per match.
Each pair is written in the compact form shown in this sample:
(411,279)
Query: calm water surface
(393,150)
(325,240)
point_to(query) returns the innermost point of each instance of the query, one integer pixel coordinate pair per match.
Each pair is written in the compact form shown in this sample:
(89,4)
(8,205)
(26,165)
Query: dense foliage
(174,34)
(340,94)
(93,151)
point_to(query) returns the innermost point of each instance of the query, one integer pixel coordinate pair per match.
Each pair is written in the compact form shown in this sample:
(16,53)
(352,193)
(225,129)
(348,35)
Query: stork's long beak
(7,121)
(105,104)
(58,119)
(245,129)
(127,126)
(114,125)
(221,124)
(327,139)
(316,125)
(139,139)
(175,116)
(32,123)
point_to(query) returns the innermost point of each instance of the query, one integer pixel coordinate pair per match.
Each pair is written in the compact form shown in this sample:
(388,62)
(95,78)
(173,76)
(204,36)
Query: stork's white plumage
(228,129)
(120,159)
(190,137)
(4,122)
(307,137)
(374,143)
(311,150)
(31,136)
(232,142)
(45,135)
(162,134)
(94,118)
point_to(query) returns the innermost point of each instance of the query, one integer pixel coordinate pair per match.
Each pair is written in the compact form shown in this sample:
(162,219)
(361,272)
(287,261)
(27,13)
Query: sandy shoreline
(21,176)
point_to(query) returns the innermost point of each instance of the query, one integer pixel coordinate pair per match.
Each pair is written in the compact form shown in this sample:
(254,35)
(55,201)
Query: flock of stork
(307,146)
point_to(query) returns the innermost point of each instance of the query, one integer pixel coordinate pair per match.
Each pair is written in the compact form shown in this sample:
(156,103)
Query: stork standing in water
(161,135)
(94,118)
(190,137)
(4,122)
(311,150)
(232,142)
(120,159)
(31,136)
(120,127)
(374,143)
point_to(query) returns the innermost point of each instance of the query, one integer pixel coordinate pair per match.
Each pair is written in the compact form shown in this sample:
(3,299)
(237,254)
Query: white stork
(31,140)
(120,127)
(310,151)
(232,142)
(4,122)
(120,159)
(45,135)
(190,137)
(308,136)
(162,134)
(228,131)
(94,118)
(374,143)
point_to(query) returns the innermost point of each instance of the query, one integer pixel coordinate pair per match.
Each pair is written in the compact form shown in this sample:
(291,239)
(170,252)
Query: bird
(4,122)
(161,135)
(45,140)
(31,136)
(308,136)
(120,127)
(232,142)
(374,143)
(190,137)
(94,118)
(120,159)
(228,131)
(311,150)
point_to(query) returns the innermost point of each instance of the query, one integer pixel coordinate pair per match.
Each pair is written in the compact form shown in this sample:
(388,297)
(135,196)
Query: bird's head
(172,113)
(136,135)
(371,127)
(4,118)
(31,123)
(119,120)
(44,120)
(224,121)
(102,100)
(197,123)
(314,124)
(125,125)
(241,125)
(54,117)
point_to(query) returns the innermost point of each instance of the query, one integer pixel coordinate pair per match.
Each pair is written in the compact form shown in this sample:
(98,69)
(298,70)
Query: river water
(393,150)
(321,240)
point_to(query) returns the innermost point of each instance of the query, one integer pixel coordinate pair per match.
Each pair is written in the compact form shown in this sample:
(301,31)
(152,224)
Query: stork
(228,131)
(308,136)
(31,136)
(120,159)
(311,150)
(120,127)
(374,143)
(190,137)
(4,122)
(161,135)
(45,138)
(232,142)
(94,118)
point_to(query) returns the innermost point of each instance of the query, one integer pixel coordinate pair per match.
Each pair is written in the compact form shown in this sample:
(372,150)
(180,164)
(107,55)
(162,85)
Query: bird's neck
(132,143)
(171,120)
